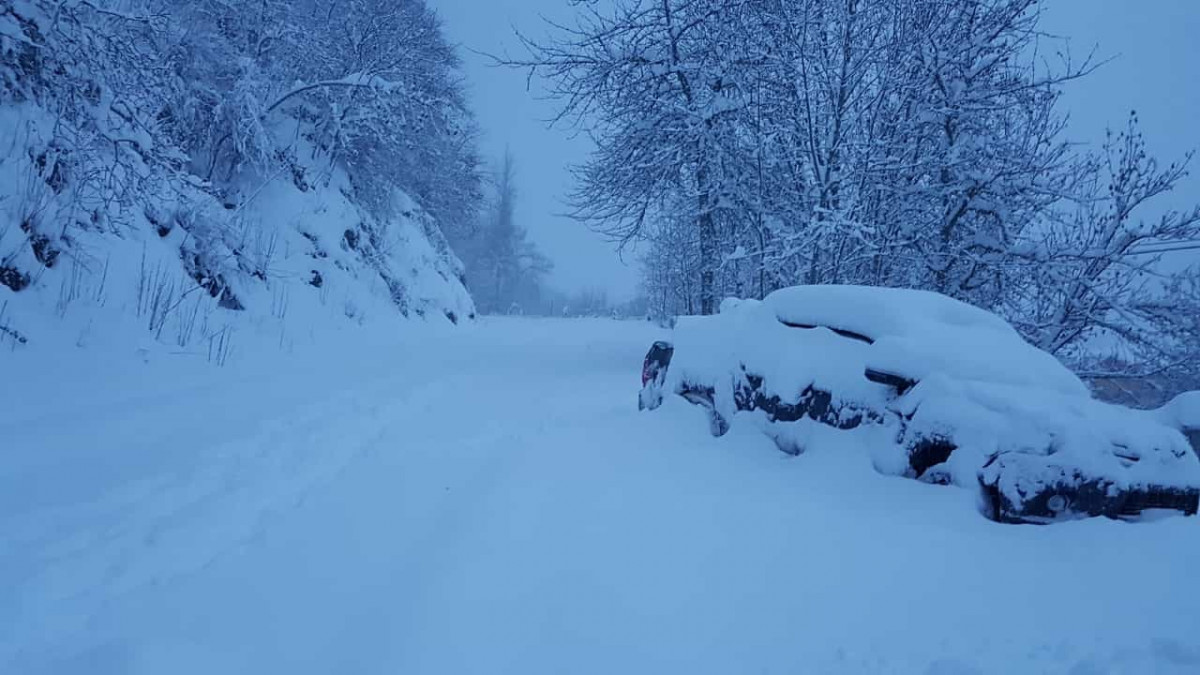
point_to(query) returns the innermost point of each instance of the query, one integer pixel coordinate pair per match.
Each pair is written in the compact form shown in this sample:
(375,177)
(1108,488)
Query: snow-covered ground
(488,499)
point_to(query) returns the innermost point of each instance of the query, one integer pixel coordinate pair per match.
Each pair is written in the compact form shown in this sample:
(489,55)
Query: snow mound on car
(920,333)
(1132,447)
(980,384)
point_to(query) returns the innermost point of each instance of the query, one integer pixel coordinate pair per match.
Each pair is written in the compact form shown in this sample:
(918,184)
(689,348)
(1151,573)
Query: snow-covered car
(971,402)
(1183,413)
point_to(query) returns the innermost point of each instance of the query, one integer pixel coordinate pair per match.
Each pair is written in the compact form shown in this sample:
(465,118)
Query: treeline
(750,145)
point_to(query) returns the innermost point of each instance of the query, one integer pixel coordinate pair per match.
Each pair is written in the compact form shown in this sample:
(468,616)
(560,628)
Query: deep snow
(488,499)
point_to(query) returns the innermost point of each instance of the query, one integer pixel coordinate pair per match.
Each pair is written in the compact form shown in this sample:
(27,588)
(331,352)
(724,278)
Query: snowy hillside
(188,272)
(488,499)
(120,223)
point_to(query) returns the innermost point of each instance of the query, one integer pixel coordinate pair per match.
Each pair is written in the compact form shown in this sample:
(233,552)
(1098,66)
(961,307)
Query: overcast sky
(1155,46)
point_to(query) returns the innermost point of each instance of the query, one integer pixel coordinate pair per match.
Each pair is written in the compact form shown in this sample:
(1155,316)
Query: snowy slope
(172,267)
(488,499)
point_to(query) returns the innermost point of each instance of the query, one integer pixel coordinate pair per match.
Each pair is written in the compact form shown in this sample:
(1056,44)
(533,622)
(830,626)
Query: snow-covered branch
(356,80)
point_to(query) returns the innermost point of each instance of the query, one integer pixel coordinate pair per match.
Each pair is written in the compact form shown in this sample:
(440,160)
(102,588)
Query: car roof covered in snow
(919,333)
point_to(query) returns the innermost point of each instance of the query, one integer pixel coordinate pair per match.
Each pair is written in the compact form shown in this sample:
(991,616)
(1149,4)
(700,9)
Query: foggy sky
(1152,44)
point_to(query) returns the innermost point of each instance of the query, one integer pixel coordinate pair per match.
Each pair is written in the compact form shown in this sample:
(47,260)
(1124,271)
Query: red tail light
(646,374)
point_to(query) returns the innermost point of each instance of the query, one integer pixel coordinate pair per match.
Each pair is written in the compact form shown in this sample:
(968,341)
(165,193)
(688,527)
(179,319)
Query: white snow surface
(488,499)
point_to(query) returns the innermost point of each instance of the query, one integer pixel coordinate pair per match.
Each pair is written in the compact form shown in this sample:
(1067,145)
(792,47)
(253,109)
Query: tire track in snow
(69,563)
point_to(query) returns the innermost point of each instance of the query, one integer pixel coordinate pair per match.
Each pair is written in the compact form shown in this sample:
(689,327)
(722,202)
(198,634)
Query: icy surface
(488,499)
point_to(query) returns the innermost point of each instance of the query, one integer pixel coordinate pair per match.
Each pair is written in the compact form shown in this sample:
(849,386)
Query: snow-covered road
(489,500)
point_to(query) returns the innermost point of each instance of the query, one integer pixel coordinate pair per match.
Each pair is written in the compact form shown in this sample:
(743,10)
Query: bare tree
(1096,281)
(649,83)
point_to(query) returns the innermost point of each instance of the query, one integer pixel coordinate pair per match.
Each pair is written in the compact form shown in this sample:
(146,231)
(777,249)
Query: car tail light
(646,371)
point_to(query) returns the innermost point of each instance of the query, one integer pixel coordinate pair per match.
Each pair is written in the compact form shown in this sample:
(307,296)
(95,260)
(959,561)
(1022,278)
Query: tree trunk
(707,231)
(708,261)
